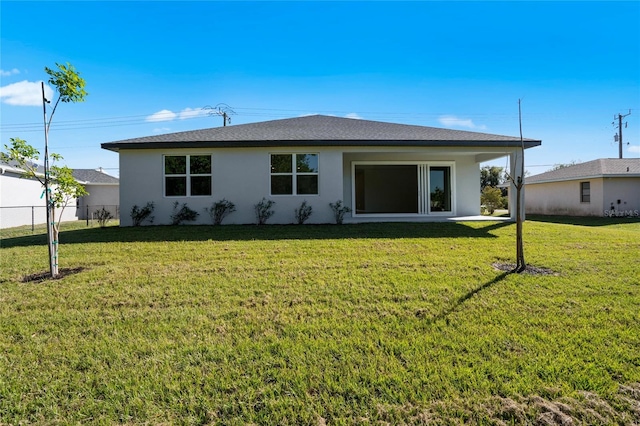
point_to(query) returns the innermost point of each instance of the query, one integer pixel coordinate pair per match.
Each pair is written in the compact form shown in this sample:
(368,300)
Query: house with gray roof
(22,202)
(104,193)
(603,187)
(381,171)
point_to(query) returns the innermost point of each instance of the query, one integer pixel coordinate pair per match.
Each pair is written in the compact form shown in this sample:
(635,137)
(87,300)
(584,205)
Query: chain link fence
(12,216)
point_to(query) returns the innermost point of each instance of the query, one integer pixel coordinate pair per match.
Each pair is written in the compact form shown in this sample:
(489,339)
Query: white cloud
(453,121)
(11,72)
(164,115)
(634,148)
(192,113)
(161,130)
(25,93)
(168,115)
(353,115)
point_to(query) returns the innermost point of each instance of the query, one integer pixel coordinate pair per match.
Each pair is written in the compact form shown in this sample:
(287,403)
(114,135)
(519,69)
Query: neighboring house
(382,171)
(22,200)
(608,186)
(104,192)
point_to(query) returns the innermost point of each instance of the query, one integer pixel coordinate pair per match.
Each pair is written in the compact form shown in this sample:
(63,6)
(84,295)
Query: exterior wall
(242,176)
(563,198)
(100,195)
(467,187)
(622,193)
(20,202)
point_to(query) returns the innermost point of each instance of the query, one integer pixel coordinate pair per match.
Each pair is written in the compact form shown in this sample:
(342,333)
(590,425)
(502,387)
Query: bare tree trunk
(520,263)
(519,183)
(55,231)
(53,264)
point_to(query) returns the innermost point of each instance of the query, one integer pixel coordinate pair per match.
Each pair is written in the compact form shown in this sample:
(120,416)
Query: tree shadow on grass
(582,220)
(457,304)
(268,232)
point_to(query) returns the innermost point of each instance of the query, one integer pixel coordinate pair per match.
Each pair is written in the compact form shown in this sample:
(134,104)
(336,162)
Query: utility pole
(619,135)
(222,110)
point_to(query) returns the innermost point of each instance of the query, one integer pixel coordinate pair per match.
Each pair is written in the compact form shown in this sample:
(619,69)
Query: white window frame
(294,173)
(424,204)
(186,175)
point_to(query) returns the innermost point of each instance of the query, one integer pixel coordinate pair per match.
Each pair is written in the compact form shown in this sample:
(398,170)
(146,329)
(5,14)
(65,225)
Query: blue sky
(151,67)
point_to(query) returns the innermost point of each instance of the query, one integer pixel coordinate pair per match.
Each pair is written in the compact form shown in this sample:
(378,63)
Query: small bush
(491,198)
(263,210)
(185,214)
(219,210)
(339,210)
(103,216)
(139,215)
(303,213)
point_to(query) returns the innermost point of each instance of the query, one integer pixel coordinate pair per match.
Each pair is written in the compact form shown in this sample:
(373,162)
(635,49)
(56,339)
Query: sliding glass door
(401,188)
(386,188)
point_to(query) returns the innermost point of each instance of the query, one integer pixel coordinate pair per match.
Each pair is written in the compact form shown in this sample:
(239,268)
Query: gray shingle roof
(318,130)
(603,167)
(81,175)
(93,176)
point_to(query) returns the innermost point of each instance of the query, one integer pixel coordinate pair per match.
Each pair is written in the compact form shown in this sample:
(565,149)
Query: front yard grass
(401,323)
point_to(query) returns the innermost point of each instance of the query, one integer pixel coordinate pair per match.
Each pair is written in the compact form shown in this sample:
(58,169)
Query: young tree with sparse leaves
(59,182)
(59,185)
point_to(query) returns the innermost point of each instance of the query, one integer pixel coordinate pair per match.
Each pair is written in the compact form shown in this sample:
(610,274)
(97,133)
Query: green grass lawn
(353,324)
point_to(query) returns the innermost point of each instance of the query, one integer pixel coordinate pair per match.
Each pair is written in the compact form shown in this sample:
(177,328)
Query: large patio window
(294,174)
(187,175)
(402,188)
(386,188)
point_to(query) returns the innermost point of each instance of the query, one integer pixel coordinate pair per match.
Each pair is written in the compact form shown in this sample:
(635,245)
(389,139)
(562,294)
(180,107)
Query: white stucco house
(103,189)
(382,171)
(22,201)
(603,187)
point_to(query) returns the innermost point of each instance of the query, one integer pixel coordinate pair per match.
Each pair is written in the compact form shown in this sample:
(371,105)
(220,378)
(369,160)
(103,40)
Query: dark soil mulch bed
(45,276)
(530,269)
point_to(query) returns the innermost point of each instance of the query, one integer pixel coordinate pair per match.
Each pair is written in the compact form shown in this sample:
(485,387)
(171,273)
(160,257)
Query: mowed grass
(354,324)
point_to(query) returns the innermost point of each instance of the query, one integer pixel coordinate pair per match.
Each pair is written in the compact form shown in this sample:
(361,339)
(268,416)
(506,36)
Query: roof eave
(586,177)
(116,146)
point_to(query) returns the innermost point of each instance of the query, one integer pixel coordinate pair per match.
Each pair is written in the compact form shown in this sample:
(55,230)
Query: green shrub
(339,210)
(219,210)
(263,210)
(303,213)
(103,216)
(139,215)
(491,198)
(184,214)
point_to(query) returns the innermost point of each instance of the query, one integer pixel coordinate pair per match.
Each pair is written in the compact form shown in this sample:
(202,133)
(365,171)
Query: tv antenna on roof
(222,110)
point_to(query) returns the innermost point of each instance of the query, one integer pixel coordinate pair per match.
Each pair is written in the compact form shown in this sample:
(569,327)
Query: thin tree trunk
(520,263)
(55,231)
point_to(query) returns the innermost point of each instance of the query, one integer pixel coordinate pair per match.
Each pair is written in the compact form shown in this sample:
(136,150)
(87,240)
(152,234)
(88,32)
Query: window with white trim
(187,175)
(294,174)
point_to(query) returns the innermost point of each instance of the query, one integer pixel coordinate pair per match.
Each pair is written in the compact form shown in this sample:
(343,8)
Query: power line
(244,111)
(134,120)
